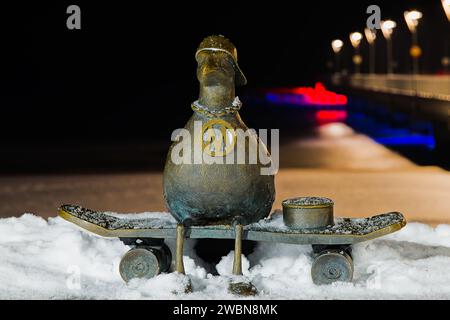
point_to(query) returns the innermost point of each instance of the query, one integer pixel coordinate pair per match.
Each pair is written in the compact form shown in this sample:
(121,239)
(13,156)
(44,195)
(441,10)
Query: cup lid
(307,202)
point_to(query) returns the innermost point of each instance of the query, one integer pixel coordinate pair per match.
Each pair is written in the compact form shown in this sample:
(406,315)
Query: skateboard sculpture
(307,220)
(210,197)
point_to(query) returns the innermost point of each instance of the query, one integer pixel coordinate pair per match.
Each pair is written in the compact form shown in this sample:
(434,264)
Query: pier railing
(423,86)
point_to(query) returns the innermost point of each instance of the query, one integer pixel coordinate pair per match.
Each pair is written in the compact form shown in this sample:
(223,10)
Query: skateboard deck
(272,229)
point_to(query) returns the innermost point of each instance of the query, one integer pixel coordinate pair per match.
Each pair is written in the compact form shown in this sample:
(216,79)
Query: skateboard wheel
(331,266)
(144,262)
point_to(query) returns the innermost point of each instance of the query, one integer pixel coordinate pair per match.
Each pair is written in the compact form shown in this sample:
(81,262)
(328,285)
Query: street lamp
(445,63)
(355,39)
(412,20)
(337,45)
(387,27)
(446,6)
(446,59)
(371,35)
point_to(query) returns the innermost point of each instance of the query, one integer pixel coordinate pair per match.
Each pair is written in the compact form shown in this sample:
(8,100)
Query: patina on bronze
(210,194)
(200,194)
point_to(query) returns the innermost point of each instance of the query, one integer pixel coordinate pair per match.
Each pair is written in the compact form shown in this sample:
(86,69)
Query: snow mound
(56,260)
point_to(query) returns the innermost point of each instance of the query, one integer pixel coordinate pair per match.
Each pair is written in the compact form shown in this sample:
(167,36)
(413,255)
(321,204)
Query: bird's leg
(179,265)
(240,285)
(237,262)
(179,249)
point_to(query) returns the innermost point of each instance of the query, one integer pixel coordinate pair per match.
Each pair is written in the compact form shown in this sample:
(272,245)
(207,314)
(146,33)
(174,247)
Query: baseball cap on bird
(220,43)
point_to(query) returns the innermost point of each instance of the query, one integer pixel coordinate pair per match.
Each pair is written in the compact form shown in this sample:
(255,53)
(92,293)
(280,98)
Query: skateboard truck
(307,220)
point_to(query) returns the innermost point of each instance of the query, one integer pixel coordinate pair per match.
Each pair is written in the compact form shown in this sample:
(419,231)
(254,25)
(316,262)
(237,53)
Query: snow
(308,201)
(55,259)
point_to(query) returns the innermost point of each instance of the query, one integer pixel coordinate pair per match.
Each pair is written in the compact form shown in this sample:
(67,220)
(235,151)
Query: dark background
(129,74)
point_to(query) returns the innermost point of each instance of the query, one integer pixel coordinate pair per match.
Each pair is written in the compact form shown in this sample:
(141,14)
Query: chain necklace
(235,106)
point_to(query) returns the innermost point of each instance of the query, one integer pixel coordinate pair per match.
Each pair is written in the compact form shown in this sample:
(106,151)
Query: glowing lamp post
(446,59)
(355,39)
(371,35)
(337,45)
(387,27)
(412,20)
(446,6)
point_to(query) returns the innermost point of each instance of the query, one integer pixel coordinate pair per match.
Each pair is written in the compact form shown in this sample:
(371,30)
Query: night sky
(132,63)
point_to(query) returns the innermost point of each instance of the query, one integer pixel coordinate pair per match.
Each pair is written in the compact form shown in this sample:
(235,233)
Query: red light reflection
(317,95)
(327,116)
